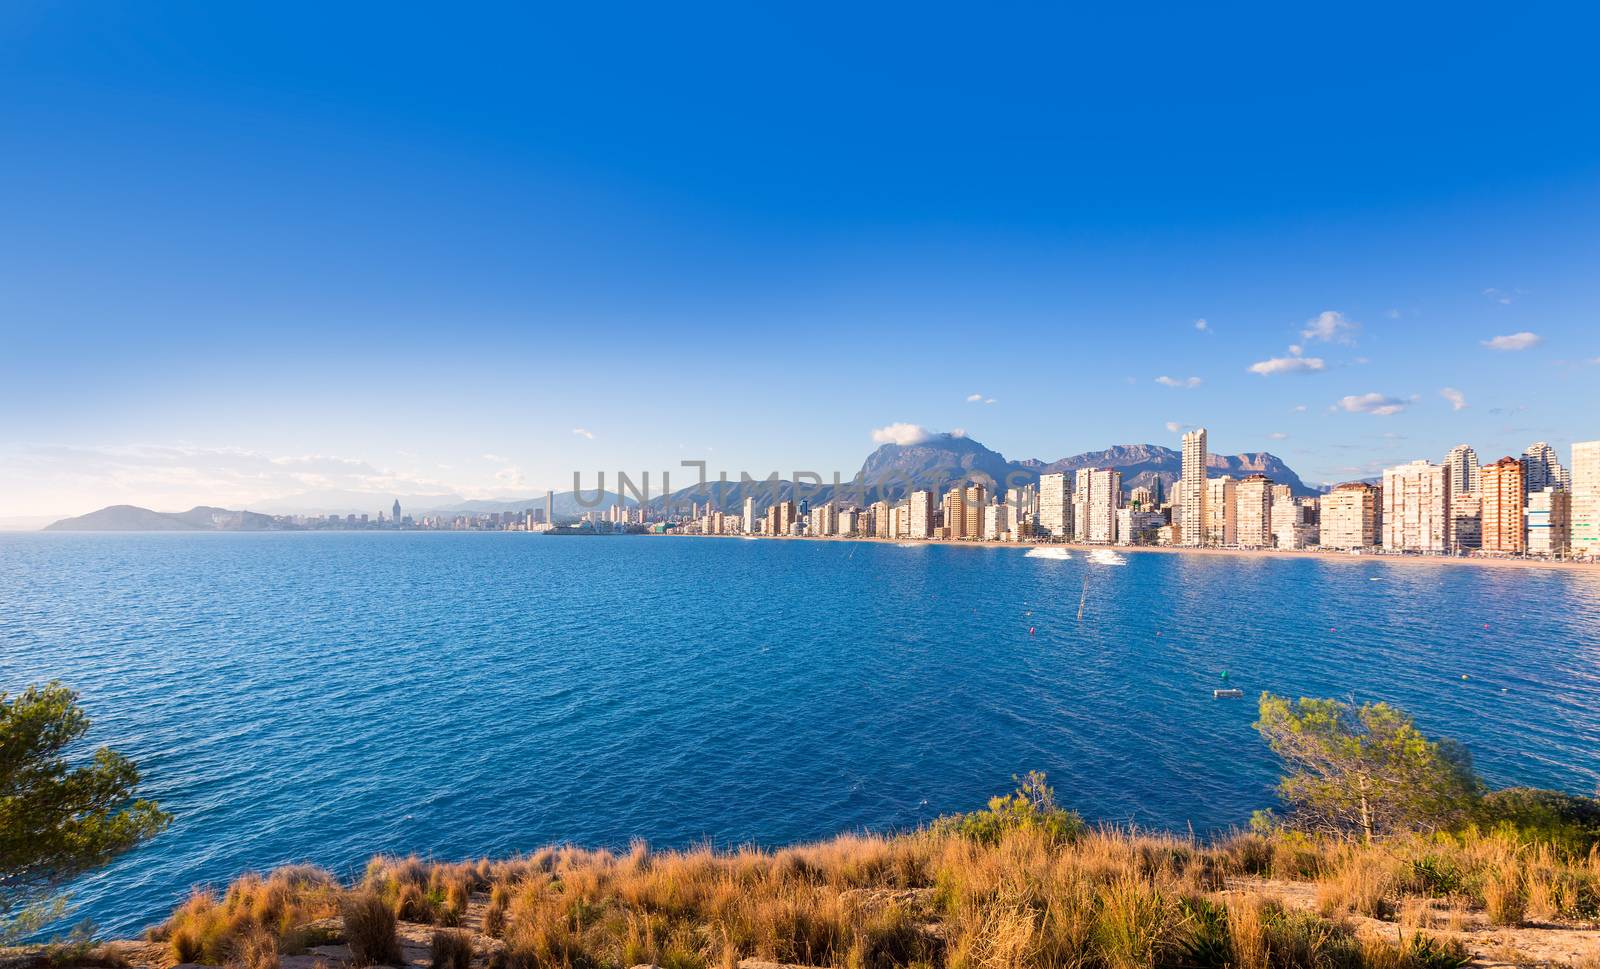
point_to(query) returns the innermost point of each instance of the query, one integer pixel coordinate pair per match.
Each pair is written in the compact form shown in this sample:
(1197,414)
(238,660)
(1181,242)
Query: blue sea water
(324,697)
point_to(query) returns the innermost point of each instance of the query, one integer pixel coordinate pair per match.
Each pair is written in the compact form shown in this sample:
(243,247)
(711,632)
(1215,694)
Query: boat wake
(1104,556)
(1046,552)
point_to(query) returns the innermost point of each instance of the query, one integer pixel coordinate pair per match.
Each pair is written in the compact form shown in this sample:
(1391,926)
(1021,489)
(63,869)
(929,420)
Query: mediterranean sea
(322,697)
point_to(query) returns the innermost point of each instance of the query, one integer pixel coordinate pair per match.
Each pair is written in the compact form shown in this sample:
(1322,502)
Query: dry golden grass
(1022,898)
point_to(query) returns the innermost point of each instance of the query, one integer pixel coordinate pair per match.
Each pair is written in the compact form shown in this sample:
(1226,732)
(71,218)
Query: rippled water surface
(323,697)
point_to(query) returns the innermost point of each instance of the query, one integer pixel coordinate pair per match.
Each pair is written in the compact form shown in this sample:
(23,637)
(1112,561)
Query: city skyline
(243,262)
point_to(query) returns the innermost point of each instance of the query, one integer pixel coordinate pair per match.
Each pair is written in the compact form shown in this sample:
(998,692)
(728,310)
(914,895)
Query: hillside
(132,518)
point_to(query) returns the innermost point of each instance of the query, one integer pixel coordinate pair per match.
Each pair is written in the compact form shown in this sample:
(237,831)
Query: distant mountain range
(890,472)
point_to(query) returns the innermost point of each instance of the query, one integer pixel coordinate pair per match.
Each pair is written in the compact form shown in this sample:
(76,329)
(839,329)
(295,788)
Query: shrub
(451,949)
(369,930)
(1032,807)
(1505,897)
(1568,820)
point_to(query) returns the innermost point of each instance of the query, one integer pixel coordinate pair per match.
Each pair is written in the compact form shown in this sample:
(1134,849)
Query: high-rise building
(920,521)
(397,511)
(1142,498)
(882,520)
(1294,521)
(1466,522)
(749,514)
(1549,522)
(1253,519)
(1541,469)
(550,507)
(1222,507)
(1193,477)
(1586,498)
(1138,526)
(1097,496)
(1463,464)
(1416,507)
(1500,488)
(1350,516)
(824,520)
(1055,507)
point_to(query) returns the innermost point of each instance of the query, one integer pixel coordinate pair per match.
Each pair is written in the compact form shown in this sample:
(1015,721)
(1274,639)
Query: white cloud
(1174,426)
(1202,325)
(1330,326)
(902,434)
(581,432)
(1514,341)
(1499,296)
(1377,405)
(1458,400)
(974,398)
(989,400)
(1293,363)
(1187,383)
(497,459)
(958,432)
(1278,436)
(510,478)
(1299,408)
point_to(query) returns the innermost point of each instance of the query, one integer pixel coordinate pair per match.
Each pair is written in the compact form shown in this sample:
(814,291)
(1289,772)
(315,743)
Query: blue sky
(253,250)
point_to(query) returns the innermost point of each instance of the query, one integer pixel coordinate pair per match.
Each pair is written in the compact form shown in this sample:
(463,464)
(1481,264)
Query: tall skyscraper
(920,522)
(1542,469)
(1500,488)
(749,514)
(1253,520)
(1416,507)
(1055,508)
(1463,464)
(1586,498)
(1193,476)
(1098,495)
(1466,522)
(550,507)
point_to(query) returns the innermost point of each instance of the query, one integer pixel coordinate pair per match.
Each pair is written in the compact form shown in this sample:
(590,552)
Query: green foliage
(58,821)
(1567,820)
(1365,769)
(1031,807)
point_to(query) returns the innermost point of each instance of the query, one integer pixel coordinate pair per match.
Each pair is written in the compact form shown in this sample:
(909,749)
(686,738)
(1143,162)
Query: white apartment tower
(1098,495)
(1253,520)
(1586,498)
(1416,507)
(1541,469)
(1195,497)
(1463,464)
(1055,506)
(749,515)
(1222,508)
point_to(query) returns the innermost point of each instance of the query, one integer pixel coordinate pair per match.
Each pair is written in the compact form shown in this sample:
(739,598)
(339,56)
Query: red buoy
(1030,630)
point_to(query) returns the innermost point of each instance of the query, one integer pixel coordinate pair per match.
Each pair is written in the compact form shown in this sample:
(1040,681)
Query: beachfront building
(749,515)
(1549,516)
(1463,464)
(1098,495)
(1416,507)
(1193,475)
(1294,522)
(1586,498)
(1253,517)
(1222,509)
(1055,505)
(1024,505)
(1466,522)
(921,515)
(1349,517)
(824,520)
(1500,488)
(1138,526)
(880,520)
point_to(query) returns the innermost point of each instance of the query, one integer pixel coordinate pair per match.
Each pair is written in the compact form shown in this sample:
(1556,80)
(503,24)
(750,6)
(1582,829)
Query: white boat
(1226,694)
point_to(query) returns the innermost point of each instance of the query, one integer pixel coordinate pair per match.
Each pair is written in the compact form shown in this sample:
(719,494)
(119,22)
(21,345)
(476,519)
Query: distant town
(1530,505)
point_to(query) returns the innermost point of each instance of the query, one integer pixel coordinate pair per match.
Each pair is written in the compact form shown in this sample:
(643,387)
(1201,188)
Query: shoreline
(1592,568)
